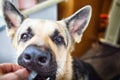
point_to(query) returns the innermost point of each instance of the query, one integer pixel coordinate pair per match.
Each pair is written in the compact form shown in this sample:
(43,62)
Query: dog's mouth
(36,76)
(41,73)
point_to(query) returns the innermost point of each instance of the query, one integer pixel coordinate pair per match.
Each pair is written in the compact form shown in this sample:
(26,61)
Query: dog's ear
(78,22)
(12,17)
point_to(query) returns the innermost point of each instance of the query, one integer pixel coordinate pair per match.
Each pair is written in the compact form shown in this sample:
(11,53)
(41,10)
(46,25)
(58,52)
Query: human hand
(9,71)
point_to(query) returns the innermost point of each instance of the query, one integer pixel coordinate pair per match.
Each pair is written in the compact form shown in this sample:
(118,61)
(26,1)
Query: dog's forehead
(40,26)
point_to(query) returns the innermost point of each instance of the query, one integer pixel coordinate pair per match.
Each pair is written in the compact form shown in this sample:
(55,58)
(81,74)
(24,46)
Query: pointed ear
(12,17)
(78,22)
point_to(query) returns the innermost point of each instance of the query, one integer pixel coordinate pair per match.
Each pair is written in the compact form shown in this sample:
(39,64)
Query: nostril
(42,59)
(27,56)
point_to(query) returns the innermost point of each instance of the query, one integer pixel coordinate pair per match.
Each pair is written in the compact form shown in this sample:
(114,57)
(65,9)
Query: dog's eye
(25,37)
(58,39)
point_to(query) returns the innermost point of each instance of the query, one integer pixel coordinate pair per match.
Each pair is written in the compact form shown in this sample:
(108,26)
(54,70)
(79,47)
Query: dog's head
(45,45)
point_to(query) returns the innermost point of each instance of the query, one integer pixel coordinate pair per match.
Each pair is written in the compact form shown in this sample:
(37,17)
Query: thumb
(21,74)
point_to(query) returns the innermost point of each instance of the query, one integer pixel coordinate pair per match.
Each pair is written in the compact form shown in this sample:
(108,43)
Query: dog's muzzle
(41,61)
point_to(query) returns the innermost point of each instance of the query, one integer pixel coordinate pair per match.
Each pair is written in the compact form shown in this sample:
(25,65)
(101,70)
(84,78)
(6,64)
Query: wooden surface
(90,36)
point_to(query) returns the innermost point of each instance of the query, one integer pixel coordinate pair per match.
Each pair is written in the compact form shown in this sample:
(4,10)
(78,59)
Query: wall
(90,36)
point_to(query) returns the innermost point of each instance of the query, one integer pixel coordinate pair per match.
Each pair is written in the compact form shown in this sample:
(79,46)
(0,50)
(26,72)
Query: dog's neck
(68,71)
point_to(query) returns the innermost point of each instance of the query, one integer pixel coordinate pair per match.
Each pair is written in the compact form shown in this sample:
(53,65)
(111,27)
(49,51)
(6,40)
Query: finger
(9,67)
(21,74)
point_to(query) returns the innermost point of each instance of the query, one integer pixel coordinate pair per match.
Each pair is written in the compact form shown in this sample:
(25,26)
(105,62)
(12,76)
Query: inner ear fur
(78,22)
(12,17)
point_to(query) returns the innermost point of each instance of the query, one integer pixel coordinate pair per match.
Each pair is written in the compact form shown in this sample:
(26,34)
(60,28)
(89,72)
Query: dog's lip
(35,76)
(39,76)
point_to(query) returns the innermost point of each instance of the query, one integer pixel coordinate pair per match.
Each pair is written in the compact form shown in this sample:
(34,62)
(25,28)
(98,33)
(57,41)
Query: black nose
(34,55)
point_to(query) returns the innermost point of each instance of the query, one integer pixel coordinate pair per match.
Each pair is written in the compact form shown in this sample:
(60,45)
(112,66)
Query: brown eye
(25,37)
(58,39)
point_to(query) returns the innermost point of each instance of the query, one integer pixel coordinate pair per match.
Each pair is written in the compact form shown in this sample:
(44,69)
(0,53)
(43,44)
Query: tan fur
(41,38)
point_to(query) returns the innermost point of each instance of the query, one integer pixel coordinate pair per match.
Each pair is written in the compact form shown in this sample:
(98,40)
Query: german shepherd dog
(45,46)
